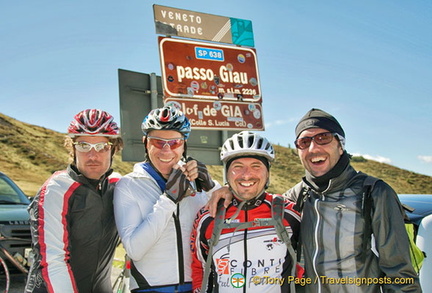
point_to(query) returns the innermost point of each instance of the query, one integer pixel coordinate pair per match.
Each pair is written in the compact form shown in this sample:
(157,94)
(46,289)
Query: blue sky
(369,63)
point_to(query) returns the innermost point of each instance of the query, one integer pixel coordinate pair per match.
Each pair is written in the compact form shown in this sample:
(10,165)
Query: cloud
(426,159)
(374,158)
(278,122)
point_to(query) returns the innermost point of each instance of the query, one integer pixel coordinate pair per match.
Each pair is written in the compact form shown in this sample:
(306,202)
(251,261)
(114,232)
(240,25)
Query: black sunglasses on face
(320,139)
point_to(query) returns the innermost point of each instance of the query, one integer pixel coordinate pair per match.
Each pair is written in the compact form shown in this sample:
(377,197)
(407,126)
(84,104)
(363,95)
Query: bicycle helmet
(246,143)
(166,118)
(93,122)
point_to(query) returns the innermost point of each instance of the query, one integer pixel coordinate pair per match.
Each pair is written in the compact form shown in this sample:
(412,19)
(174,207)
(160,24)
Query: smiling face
(319,159)
(165,158)
(247,177)
(93,164)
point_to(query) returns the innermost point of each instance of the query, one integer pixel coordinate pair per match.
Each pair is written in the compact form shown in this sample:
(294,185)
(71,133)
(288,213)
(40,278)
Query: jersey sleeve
(141,214)
(201,233)
(391,240)
(50,210)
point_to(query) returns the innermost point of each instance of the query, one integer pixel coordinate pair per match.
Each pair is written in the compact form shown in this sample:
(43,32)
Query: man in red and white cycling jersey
(246,255)
(72,218)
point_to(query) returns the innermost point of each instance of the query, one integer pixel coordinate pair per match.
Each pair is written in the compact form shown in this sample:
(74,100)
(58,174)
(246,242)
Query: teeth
(246,184)
(165,160)
(317,159)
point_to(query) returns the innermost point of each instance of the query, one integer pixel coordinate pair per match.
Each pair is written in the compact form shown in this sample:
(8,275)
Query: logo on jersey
(238,280)
(222,265)
(272,242)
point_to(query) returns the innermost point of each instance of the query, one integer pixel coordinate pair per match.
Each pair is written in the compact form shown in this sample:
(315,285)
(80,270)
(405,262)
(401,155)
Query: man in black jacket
(341,253)
(72,218)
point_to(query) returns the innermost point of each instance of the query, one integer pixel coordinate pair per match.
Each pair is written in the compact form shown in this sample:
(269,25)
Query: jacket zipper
(179,245)
(337,240)
(245,250)
(315,256)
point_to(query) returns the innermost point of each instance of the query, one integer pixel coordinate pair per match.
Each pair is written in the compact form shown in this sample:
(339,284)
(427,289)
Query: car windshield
(10,193)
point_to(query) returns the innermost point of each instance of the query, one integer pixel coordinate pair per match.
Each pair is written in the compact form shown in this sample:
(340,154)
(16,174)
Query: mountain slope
(30,154)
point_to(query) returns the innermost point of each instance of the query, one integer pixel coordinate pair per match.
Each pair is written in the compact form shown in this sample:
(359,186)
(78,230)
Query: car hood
(422,204)
(14,214)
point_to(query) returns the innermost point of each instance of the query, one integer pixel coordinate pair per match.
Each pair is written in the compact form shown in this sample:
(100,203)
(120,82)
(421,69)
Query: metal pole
(153,89)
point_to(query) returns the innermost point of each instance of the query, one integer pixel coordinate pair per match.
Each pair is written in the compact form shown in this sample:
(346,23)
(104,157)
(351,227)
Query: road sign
(196,25)
(221,115)
(200,70)
(217,86)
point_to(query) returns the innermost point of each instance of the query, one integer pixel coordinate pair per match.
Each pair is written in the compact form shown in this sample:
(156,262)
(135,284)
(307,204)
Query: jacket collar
(250,204)
(79,177)
(335,184)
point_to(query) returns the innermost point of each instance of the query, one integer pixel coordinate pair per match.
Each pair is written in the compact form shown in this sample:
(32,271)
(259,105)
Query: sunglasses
(320,138)
(85,147)
(160,143)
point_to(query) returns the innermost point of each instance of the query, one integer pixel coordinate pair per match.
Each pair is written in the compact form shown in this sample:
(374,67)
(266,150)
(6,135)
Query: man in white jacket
(156,204)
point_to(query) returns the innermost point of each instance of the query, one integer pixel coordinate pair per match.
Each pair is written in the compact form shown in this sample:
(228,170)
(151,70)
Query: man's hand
(223,192)
(189,169)
(204,180)
(197,171)
(177,186)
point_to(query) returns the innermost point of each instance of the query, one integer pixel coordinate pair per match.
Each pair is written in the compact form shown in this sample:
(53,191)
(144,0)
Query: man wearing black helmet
(72,218)
(156,204)
(249,246)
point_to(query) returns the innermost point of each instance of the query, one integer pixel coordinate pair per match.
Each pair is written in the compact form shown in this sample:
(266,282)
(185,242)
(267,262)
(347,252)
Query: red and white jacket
(248,260)
(74,234)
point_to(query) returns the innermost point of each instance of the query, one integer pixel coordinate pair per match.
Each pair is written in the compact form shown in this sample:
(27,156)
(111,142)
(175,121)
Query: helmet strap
(185,150)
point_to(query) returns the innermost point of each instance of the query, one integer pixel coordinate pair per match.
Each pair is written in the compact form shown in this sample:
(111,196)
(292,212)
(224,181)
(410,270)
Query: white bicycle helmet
(246,143)
(166,118)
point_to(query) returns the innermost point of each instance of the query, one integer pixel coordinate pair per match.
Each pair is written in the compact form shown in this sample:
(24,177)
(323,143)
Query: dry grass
(30,154)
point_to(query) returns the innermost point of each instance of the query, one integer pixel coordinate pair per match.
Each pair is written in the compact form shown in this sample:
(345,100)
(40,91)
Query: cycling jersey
(74,234)
(244,260)
(155,231)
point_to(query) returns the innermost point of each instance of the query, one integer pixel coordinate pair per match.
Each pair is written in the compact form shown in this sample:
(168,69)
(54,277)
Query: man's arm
(223,192)
(392,240)
(141,214)
(50,210)
(201,232)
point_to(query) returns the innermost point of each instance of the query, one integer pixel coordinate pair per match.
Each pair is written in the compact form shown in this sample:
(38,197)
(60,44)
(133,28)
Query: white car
(422,218)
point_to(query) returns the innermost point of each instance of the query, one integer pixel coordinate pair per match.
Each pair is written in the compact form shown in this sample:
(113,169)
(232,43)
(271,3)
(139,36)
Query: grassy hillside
(30,154)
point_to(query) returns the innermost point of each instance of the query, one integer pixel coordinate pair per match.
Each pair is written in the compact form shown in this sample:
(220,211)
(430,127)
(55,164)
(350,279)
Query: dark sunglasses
(160,143)
(320,138)
(85,147)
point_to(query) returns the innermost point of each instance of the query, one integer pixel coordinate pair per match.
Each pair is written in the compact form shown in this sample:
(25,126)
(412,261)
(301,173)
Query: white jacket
(145,219)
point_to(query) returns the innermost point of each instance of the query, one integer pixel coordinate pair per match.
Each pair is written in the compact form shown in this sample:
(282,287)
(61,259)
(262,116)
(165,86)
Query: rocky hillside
(30,154)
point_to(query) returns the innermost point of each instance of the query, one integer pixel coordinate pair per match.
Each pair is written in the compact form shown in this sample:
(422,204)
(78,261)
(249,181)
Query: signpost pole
(153,90)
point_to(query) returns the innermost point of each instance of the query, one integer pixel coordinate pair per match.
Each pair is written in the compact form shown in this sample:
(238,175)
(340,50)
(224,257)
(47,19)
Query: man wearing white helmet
(247,247)
(72,218)
(156,204)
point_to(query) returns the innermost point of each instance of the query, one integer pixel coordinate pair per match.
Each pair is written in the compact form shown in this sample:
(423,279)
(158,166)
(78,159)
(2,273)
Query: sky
(368,63)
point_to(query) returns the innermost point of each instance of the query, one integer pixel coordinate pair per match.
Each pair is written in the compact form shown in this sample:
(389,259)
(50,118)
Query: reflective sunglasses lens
(320,138)
(323,138)
(82,147)
(85,147)
(303,143)
(160,143)
(175,143)
(157,143)
(101,146)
